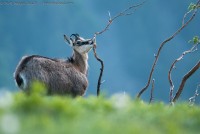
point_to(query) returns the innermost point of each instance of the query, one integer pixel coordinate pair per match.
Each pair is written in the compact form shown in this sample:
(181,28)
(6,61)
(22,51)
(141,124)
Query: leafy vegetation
(37,113)
(195,40)
(192,6)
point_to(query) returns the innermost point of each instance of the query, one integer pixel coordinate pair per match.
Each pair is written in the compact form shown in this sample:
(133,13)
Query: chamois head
(79,44)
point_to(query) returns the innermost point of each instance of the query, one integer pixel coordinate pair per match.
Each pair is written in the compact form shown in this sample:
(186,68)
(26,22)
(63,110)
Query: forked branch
(161,47)
(194,48)
(128,11)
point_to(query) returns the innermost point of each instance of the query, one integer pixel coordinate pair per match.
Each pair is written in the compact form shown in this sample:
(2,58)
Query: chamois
(64,77)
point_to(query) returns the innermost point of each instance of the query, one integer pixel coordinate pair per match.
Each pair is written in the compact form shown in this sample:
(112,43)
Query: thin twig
(110,21)
(152,89)
(194,48)
(160,48)
(184,79)
(193,98)
(185,15)
(123,13)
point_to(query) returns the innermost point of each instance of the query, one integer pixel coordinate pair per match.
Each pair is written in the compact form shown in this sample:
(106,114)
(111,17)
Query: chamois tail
(20,80)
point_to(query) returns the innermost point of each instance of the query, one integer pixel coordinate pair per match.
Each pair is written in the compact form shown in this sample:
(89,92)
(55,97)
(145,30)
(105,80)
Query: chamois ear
(68,40)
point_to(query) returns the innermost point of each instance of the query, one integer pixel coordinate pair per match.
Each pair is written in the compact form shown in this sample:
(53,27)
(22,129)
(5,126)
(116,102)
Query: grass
(119,114)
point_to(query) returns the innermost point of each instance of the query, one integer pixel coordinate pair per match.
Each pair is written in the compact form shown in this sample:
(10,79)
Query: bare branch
(185,78)
(162,45)
(129,11)
(101,69)
(194,48)
(152,89)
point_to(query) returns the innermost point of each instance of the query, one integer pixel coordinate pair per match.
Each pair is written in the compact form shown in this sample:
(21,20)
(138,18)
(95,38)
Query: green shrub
(38,113)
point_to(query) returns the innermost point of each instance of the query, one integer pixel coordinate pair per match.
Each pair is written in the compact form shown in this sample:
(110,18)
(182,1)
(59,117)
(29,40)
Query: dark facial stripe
(80,43)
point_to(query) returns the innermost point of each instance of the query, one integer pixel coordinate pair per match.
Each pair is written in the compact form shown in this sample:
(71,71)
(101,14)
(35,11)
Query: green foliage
(38,113)
(195,40)
(38,88)
(193,6)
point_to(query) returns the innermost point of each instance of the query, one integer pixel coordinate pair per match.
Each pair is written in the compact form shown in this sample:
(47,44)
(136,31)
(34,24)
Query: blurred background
(127,48)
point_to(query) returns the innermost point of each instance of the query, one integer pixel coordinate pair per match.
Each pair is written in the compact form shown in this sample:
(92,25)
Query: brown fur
(60,76)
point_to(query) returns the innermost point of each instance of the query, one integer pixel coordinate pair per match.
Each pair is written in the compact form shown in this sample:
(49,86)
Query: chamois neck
(80,61)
